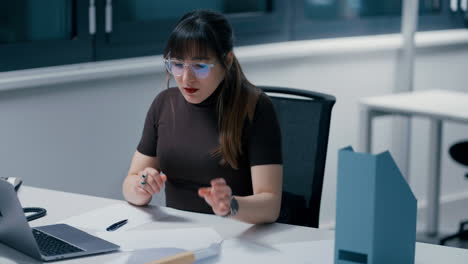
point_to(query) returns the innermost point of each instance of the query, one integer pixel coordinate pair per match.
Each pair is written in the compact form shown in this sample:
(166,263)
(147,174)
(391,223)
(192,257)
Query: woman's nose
(188,74)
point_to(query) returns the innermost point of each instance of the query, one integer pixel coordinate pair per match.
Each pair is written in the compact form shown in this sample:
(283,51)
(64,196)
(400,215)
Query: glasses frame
(167,63)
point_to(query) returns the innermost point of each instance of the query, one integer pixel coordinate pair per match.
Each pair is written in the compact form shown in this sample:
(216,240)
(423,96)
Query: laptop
(45,243)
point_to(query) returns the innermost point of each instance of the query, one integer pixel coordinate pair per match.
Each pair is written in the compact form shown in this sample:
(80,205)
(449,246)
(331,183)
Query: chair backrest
(304,118)
(459,153)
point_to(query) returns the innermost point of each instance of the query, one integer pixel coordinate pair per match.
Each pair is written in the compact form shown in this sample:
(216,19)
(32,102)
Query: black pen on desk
(117,225)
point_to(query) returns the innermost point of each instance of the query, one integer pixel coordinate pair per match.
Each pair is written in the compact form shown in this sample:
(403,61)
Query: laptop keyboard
(51,246)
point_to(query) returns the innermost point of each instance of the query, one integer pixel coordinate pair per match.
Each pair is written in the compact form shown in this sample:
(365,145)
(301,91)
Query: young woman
(214,141)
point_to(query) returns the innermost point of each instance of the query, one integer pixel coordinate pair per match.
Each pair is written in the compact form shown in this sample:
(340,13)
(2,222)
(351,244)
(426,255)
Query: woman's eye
(200,66)
(178,64)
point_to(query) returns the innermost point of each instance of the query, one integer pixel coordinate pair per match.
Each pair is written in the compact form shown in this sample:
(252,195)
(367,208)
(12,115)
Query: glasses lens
(201,70)
(176,68)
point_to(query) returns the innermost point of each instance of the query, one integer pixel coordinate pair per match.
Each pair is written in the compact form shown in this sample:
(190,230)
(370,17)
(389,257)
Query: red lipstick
(190,90)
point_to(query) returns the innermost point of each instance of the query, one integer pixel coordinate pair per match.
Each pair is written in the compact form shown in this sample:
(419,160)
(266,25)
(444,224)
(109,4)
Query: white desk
(436,105)
(62,205)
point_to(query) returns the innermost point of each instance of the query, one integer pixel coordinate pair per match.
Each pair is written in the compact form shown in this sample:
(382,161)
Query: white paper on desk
(150,254)
(235,251)
(184,238)
(141,256)
(101,218)
(317,251)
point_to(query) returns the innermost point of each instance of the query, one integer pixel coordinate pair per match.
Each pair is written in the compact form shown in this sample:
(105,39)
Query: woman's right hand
(149,181)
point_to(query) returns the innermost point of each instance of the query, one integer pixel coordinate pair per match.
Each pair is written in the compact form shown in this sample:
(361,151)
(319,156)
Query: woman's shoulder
(164,95)
(159,101)
(264,104)
(263,98)
(167,93)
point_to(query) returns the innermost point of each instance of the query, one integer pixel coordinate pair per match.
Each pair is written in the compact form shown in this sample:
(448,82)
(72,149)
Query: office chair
(304,118)
(459,153)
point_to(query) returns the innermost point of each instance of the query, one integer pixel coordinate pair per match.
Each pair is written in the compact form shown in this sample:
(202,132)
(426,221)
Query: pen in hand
(117,225)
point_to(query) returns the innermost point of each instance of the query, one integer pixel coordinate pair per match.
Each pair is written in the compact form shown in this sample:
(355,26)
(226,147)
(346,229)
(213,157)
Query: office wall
(77,137)
(80,136)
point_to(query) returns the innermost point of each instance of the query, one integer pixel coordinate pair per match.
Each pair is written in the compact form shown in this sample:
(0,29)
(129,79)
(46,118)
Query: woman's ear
(229,59)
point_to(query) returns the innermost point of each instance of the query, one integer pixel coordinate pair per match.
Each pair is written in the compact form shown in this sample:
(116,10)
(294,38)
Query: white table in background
(437,106)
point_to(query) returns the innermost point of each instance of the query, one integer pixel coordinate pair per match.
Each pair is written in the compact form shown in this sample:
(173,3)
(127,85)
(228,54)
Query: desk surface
(442,104)
(61,205)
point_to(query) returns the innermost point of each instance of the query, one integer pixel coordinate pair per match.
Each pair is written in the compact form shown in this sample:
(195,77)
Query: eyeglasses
(200,70)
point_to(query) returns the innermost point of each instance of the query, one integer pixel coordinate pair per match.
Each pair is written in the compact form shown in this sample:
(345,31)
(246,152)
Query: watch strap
(234,208)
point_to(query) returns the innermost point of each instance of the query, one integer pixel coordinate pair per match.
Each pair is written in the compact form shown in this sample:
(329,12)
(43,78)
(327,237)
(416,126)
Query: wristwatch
(234,208)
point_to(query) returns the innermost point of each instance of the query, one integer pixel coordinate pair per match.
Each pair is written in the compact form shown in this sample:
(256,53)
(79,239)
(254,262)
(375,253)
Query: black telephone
(37,212)
(15,181)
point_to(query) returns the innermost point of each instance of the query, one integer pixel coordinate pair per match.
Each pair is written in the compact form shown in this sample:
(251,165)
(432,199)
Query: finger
(159,177)
(217,182)
(222,192)
(151,172)
(143,176)
(141,190)
(204,191)
(141,187)
(223,209)
(151,184)
(158,181)
(142,183)
(221,189)
(220,201)
(145,182)
(220,198)
(163,177)
(219,186)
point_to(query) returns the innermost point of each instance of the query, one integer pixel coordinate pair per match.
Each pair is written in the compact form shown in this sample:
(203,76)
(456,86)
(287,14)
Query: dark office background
(37,33)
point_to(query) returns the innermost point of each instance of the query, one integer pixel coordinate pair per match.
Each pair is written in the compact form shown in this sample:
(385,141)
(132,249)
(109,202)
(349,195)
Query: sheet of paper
(184,238)
(233,251)
(151,254)
(99,219)
(319,251)
(141,256)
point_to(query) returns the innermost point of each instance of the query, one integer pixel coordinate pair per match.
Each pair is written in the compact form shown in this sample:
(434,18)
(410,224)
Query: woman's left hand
(218,196)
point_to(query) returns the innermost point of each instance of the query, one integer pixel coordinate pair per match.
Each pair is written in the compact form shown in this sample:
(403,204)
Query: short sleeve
(264,134)
(149,138)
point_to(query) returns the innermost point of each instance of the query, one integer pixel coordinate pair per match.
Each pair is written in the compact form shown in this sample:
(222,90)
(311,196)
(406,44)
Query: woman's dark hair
(196,34)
